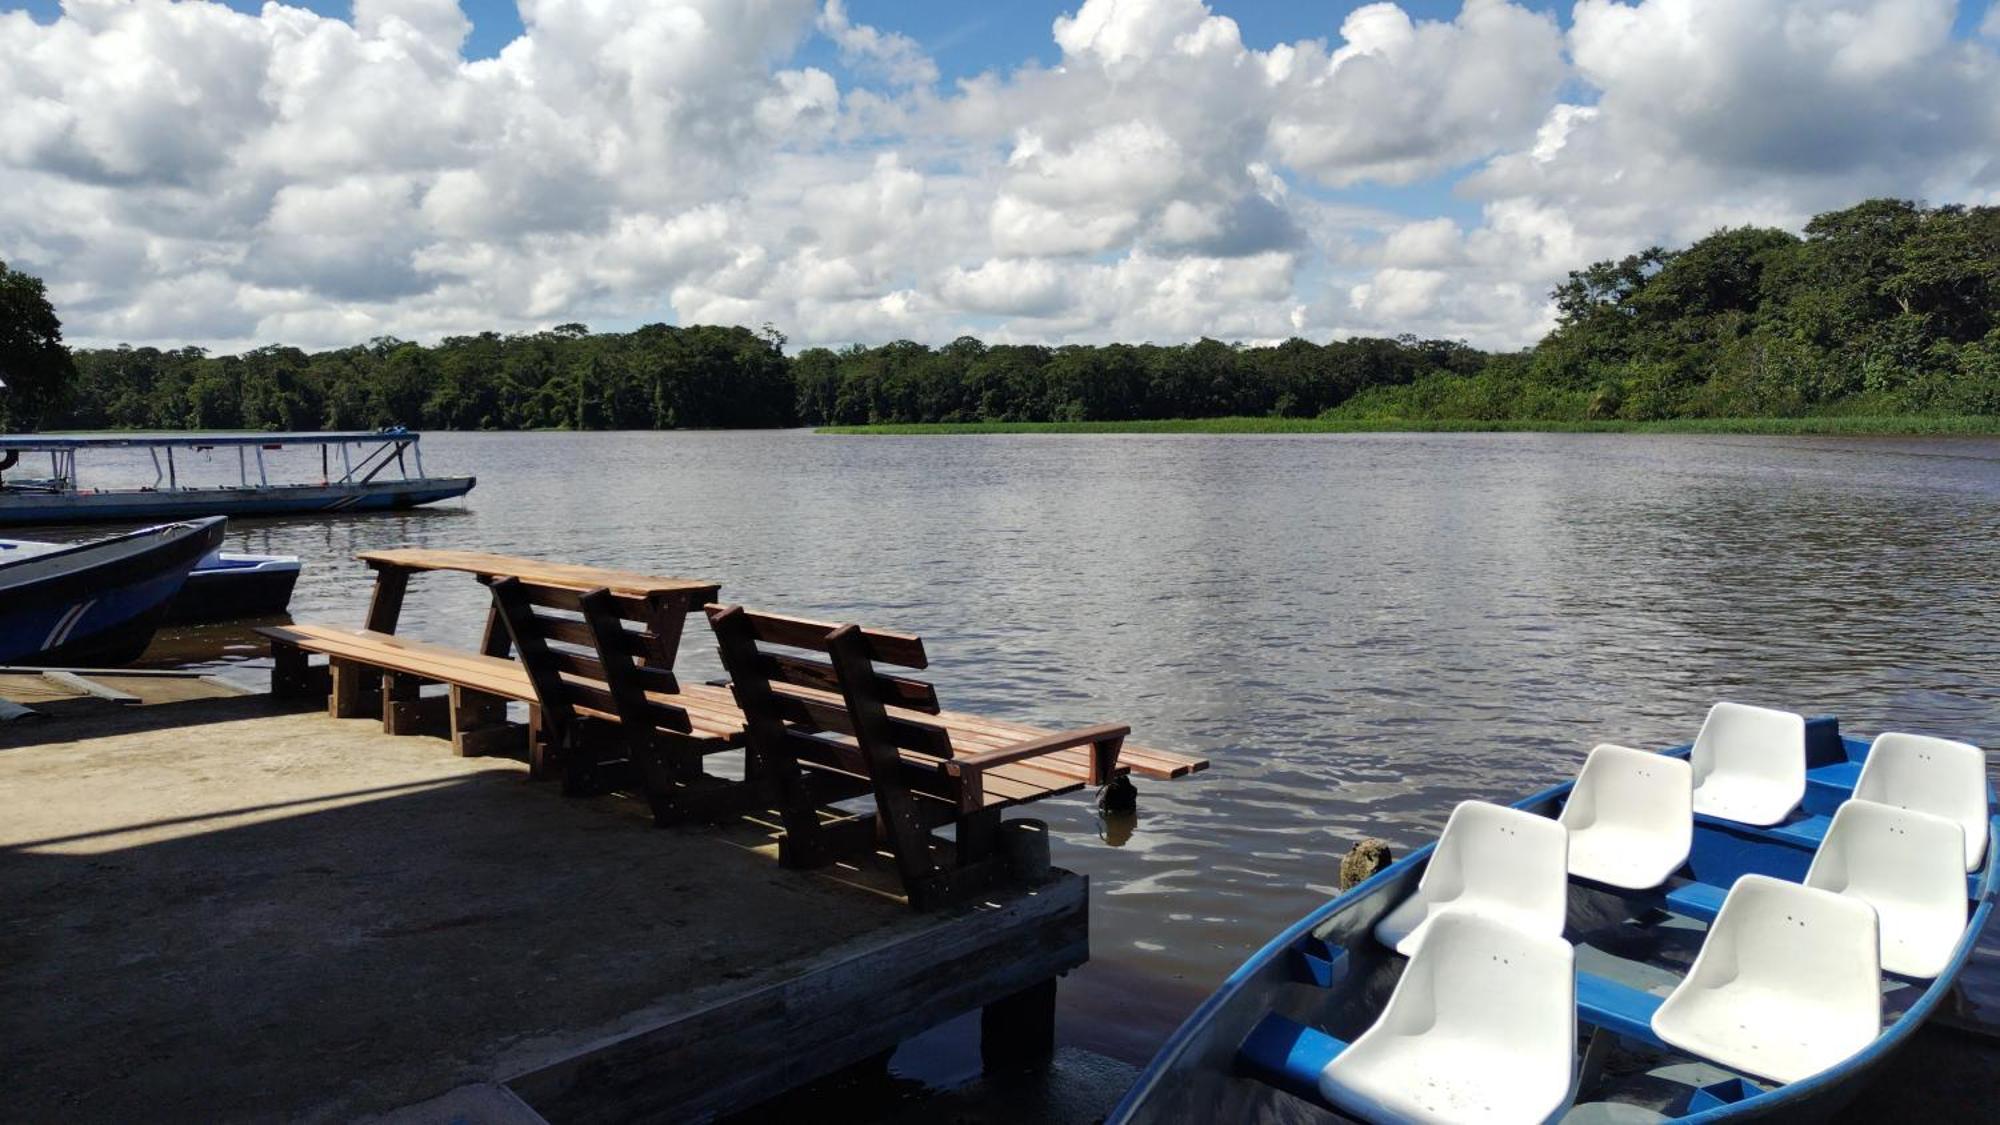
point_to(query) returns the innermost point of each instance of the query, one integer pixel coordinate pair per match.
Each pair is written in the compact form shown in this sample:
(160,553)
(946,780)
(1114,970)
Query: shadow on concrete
(364,948)
(73,719)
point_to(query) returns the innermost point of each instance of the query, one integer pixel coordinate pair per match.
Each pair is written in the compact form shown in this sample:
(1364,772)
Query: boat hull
(97,604)
(22,508)
(232,593)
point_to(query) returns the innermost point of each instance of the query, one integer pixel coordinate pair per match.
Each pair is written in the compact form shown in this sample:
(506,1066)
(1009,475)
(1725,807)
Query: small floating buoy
(1362,860)
(1119,796)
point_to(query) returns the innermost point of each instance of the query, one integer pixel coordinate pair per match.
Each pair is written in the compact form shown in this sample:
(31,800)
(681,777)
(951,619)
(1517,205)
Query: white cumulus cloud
(182,172)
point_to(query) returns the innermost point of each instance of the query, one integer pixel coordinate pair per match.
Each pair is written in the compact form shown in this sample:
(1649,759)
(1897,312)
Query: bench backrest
(590,654)
(802,677)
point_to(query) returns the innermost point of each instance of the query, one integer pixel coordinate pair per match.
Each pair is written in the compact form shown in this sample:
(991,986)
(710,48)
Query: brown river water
(1359,630)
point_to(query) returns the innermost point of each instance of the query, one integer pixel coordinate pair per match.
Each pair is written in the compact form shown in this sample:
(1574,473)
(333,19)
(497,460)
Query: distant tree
(36,367)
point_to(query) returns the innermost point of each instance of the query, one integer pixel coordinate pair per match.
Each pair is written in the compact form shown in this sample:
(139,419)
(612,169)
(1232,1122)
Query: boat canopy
(379,449)
(42,443)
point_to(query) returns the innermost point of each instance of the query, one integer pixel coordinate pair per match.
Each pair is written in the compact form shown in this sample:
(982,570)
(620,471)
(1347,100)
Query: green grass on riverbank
(1832,424)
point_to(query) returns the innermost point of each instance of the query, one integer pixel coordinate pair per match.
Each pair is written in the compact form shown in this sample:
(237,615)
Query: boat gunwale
(1774,1099)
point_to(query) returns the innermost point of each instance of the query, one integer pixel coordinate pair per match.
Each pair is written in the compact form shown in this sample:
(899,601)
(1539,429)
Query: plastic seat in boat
(1492,860)
(1905,864)
(1630,817)
(1481,1027)
(1749,764)
(1933,775)
(1787,983)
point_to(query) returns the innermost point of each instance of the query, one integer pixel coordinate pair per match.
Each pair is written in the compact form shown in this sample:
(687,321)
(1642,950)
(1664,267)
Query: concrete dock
(220,910)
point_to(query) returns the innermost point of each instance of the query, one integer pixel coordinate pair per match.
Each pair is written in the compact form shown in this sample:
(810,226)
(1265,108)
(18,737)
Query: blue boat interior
(1329,979)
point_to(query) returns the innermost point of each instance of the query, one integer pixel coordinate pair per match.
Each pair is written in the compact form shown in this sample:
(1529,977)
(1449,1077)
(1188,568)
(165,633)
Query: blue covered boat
(96,604)
(223,586)
(355,472)
(1743,928)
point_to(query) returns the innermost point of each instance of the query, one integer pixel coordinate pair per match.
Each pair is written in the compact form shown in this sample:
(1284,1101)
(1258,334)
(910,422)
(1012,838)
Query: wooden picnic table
(669,600)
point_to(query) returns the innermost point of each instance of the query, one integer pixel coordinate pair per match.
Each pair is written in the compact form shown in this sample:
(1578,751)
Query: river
(1359,630)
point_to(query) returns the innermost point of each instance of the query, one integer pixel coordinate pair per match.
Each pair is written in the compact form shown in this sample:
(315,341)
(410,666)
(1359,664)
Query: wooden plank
(541,572)
(385,605)
(901,691)
(569,599)
(904,650)
(1103,742)
(769,759)
(438,662)
(878,737)
(797,707)
(74,682)
(1145,761)
(479,724)
(356,690)
(858,1002)
(405,710)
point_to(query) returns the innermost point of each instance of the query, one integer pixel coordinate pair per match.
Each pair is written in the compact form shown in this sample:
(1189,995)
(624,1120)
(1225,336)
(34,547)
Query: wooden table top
(539,571)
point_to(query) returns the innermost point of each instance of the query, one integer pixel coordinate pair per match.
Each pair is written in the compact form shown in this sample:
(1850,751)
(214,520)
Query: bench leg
(291,672)
(405,709)
(479,725)
(356,691)
(1019,1031)
(978,836)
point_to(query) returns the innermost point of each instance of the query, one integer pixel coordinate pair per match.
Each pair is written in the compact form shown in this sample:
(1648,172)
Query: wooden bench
(370,673)
(662,603)
(820,731)
(607,702)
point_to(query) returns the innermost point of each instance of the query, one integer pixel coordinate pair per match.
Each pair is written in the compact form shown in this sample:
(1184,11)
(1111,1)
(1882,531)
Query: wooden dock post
(1019,1031)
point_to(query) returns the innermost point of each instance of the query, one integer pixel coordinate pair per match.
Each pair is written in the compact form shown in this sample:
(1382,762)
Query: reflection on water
(1359,630)
(1115,828)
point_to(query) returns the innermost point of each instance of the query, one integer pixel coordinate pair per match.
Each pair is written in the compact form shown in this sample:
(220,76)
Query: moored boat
(231,586)
(1746,927)
(97,603)
(223,586)
(353,475)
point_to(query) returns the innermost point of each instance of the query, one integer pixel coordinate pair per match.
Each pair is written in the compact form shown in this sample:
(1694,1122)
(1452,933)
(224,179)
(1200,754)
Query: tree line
(1887,307)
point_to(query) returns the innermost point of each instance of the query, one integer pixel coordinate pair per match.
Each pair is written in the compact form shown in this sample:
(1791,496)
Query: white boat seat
(1493,860)
(1481,1027)
(1932,775)
(1749,764)
(1787,983)
(1905,864)
(1630,817)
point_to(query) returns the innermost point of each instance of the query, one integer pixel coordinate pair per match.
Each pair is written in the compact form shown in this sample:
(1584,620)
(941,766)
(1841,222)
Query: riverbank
(1833,424)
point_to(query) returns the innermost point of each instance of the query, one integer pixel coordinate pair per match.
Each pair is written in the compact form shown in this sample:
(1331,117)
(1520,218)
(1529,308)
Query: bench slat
(796,705)
(540,572)
(901,649)
(803,672)
(490,674)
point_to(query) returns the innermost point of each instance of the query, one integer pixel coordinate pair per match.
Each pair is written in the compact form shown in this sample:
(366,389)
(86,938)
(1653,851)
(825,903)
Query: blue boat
(1745,927)
(353,475)
(96,604)
(223,586)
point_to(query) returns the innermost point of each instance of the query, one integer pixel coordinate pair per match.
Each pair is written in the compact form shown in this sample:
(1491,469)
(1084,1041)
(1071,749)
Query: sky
(231,175)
